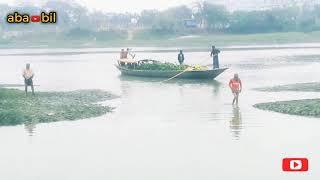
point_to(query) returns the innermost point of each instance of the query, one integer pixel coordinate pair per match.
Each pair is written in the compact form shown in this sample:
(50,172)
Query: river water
(183,129)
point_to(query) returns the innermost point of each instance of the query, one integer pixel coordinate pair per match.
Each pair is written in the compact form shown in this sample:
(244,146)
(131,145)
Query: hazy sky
(138,5)
(133,5)
(115,5)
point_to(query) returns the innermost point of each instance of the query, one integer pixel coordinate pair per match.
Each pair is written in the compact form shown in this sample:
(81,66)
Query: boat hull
(204,74)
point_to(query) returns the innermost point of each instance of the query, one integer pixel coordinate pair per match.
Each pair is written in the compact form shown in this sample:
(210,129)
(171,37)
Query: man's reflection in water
(216,88)
(30,127)
(236,123)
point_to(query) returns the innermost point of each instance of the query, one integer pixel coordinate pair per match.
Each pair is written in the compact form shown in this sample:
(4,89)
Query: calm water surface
(183,129)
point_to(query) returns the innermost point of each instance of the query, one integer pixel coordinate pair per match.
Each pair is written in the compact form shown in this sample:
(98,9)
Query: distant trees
(252,22)
(170,20)
(216,17)
(147,17)
(75,20)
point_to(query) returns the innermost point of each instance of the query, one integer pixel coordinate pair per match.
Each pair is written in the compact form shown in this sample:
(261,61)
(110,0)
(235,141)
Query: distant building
(12,34)
(134,21)
(190,23)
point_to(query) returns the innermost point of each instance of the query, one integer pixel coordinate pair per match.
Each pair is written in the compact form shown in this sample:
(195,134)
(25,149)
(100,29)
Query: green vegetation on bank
(307,107)
(201,41)
(17,108)
(162,66)
(305,87)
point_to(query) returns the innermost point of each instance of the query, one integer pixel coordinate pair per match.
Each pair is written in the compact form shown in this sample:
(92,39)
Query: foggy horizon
(122,6)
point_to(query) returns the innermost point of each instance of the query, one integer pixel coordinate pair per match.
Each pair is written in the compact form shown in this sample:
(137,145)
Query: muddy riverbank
(17,108)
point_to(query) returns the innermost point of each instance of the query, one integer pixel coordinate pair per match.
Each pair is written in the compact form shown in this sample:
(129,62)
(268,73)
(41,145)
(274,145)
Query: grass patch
(207,40)
(304,87)
(17,108)
(307,107)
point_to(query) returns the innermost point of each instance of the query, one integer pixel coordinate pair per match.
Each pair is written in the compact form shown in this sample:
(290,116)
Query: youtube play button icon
(35,18)
(295,164)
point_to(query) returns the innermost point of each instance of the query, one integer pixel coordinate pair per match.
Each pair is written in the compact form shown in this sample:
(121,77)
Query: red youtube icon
(295,164)
(35,18)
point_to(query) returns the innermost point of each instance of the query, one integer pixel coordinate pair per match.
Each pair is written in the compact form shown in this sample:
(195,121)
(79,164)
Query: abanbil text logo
(44,17)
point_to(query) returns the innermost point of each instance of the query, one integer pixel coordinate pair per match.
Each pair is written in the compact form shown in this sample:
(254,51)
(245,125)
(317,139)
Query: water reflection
(138,79)
(236,123)
(173,81)
(216,87)
(30,127)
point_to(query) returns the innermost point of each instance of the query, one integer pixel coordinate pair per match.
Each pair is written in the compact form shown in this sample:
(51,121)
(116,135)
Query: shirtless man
(236,87)
(28,76)
(123,54)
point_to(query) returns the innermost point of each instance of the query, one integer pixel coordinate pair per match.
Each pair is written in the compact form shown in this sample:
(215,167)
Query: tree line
(76,21)
(215,18)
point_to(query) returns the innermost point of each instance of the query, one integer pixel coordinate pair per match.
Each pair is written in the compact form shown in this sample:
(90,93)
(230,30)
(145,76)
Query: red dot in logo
(35,18)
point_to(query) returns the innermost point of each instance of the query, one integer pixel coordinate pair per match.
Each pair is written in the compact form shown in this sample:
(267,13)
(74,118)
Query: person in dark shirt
(215,57)
(181,57)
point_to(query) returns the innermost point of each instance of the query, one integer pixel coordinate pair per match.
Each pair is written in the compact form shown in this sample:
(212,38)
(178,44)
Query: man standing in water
(236,87)
(215,57)
(28,76)
(181,57)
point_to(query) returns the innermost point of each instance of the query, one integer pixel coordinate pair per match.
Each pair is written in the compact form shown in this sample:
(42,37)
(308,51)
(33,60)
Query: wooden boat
(130,70)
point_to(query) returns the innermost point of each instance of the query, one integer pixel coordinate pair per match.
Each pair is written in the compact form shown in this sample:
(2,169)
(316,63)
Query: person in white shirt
(28,76)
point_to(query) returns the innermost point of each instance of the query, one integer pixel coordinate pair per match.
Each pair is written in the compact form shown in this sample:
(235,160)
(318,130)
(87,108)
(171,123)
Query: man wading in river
(28,76)
(236,87)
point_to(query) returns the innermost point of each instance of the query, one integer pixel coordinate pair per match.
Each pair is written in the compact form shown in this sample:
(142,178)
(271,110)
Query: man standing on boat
(236,87)
(181,57)
(123,54)
(28,76)
(129,53)
(215,57)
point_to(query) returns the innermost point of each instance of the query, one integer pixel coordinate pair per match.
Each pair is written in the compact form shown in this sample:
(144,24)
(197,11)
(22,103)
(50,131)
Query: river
(181,129)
